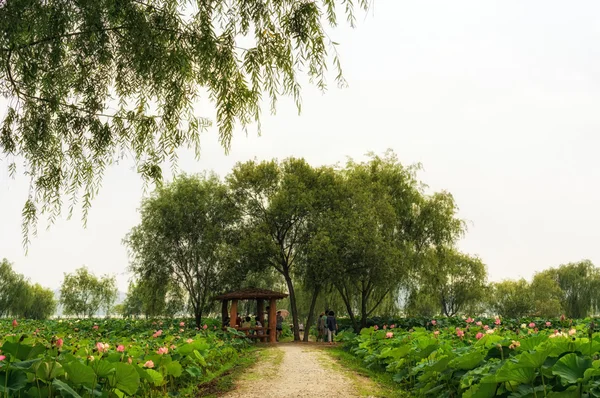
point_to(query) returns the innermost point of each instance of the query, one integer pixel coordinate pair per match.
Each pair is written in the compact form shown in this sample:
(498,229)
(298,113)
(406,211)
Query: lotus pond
(111,358)
(485,358)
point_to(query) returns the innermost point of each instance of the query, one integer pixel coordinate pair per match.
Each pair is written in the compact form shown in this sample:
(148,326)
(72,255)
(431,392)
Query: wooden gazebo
(260,295)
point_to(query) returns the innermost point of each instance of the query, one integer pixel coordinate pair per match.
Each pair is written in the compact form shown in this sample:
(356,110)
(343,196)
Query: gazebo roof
(251,293)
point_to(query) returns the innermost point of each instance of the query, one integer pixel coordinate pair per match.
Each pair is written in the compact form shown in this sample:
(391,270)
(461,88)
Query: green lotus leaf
(510,372)
(157,378)
(126,378)
(532,359)
(80,374)
(16,381)
(571,368)
(103,368)
(65,389)
(467,361)
(485,390)
(174,369)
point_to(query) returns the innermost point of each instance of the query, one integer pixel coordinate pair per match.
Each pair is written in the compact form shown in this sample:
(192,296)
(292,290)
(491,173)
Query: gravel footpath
(302,372)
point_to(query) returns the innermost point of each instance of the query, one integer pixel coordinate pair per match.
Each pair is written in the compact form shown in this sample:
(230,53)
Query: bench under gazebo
(260,295)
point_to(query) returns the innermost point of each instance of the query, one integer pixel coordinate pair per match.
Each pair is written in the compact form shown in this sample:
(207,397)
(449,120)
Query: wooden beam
(233,315)
(273,321)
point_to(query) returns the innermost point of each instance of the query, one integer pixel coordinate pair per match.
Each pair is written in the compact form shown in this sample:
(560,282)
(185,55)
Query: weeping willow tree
(90,81)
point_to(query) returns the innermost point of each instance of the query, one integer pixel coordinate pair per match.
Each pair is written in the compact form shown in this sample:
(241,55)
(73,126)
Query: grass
(225,379)
(382,384)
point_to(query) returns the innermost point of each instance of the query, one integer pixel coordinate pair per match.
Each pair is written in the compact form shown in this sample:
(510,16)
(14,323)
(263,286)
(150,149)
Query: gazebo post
(273,321)
(224,312)
(233,316)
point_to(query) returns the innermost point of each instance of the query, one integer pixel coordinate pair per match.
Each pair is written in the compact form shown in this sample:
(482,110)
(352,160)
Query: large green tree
(10,287)
(511,299)
(381,228)
(580,286)
(457,281)
(88,81)
(276,201)
(83,294)
(19,298)
(183,238)
(42,303)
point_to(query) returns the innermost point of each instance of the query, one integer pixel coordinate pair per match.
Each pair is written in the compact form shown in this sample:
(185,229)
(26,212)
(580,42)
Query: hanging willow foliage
(92,81)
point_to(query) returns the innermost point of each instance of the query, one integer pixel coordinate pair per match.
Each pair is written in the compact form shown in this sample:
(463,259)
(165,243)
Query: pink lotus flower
(479,335)
(460,333)
(469,320)
(181,330)
(384,327)
(15,323)
(214,327)
(189,341)
(376,327)
(102,347)
(95,327)
(129,360)
(486,327)
(392,326)
(120,348)
(149,364)
(572,332)
(172,346)
(205,326)
(548,324)
(157,333)
(181,324)
(478,323)
(389,335)
(433,322)
(162,351)
(497,321)
(436,333)
(59,343)
(2,358)
(562,317)
(532,324)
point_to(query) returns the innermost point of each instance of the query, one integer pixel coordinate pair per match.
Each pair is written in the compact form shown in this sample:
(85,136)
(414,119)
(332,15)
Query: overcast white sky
(498,100)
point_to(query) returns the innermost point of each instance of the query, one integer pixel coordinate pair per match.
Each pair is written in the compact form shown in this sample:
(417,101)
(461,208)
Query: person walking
(332,326)
(321,326)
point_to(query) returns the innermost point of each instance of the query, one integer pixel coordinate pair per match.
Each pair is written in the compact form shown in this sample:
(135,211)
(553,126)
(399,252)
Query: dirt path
(298,370)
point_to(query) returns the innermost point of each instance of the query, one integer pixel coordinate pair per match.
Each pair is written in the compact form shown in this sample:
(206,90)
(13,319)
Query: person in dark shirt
(332,326)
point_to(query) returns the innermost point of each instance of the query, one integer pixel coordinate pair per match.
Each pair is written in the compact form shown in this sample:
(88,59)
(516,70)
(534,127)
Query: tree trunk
(311,312)
(198,317)
(348,305)
(290,285)
(363,310)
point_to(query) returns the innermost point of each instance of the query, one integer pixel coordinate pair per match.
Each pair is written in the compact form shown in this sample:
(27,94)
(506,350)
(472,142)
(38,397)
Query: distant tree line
(20,298)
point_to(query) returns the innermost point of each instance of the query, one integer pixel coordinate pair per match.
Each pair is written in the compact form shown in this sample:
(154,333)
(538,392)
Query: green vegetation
(83,294)
(112,358)
(484,358)
(19,298)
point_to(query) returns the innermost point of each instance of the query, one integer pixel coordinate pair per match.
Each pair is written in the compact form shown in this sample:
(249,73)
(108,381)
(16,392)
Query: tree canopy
(83,294)
(182,239)
(20,298)
(91,81)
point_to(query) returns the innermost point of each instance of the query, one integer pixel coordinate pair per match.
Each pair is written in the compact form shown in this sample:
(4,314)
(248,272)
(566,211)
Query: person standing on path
(321,325)
(332,326)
